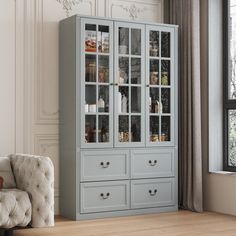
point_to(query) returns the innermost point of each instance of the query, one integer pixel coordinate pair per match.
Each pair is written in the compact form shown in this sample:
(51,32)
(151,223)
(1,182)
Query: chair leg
(9,232)
(6,232)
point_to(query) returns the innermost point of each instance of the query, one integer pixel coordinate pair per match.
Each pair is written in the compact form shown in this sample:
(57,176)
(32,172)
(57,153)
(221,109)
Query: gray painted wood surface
(100,165)
(152,163)
(152,193)
(127,177)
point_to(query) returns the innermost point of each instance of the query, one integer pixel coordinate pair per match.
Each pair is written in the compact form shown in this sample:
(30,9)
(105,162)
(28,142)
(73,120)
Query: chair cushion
(15,208)
(6,173)
(35,175)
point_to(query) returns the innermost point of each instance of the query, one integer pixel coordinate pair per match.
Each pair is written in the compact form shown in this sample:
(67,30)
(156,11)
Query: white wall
(29,67)
(7,77)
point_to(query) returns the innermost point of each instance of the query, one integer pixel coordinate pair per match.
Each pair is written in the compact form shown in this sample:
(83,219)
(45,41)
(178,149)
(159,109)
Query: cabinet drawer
(104,196)
(152,163)
(152,193)
(104,165)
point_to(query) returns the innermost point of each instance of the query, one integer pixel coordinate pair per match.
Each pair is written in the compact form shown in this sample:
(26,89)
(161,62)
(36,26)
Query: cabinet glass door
(159,91)
(97,89)
(129,84)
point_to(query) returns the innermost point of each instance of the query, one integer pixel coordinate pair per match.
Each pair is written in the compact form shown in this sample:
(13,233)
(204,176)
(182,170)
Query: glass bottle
(150,104)
(101,105)
(160,107)
(124,104)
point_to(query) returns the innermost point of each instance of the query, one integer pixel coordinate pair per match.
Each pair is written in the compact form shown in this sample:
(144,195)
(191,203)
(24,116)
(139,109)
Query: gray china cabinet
(118,117)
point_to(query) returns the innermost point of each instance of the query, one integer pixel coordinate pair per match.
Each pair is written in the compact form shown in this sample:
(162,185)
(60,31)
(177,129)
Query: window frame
(228,104)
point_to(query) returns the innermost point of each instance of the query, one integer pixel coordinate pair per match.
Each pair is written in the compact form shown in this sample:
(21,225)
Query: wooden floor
(182,223)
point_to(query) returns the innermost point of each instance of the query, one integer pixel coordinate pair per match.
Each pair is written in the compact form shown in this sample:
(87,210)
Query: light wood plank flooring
(182,223)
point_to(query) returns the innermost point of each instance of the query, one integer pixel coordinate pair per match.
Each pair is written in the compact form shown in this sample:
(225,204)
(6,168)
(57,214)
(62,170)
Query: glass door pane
(123,40)
(136,70)
(154,101)
(154,129)
(136,41)
(103,129)
(165,100)
(165,72)
(130,82)
(90,38)
(103,99)
(90,114)
(165,44)
(90,68)
(123,74)
(103,39)
(154,43)
(90,98)
(97,84)
(90,129)
(103,69)
(154,72)
(136,99)
(135,128)
(159,87)
(123,99)
(165,129)
(124,129)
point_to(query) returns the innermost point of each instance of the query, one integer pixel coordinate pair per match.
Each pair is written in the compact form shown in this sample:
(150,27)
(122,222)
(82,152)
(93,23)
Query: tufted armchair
(27,197)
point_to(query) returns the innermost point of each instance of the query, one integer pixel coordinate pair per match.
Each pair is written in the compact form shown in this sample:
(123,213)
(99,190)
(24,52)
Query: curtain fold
(186,14)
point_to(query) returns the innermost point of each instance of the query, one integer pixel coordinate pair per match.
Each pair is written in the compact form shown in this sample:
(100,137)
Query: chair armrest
(35,175)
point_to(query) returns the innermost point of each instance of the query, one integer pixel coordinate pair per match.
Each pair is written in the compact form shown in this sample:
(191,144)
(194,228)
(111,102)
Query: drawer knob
(152,163)
(152,193)
(105,165)
(105,196)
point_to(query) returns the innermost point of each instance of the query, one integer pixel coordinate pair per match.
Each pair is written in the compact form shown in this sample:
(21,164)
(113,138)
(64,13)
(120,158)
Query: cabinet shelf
(159,114)
(129,55)
(131,114)
(97,53)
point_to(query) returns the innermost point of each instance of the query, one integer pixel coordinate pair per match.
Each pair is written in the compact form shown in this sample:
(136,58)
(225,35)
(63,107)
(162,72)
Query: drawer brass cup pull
(152,163)
(105,165)
(153,193)
(105,196)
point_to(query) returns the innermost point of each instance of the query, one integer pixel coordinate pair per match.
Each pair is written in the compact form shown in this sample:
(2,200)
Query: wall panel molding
(69,4)
(149,10)
(20,78)
(42,114)
(25,54)
(48,145)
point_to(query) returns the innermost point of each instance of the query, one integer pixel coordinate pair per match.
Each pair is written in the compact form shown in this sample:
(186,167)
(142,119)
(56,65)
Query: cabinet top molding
(125,20)
(68,4)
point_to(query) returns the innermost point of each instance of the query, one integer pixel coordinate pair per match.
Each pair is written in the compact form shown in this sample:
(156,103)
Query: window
(229,40)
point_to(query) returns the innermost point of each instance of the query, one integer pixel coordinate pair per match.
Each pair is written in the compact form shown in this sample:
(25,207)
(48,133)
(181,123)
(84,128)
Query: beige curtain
(186,14)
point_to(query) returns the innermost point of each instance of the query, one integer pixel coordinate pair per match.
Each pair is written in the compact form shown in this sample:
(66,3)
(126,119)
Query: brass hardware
(105,196)
(152,193)
(152,163)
